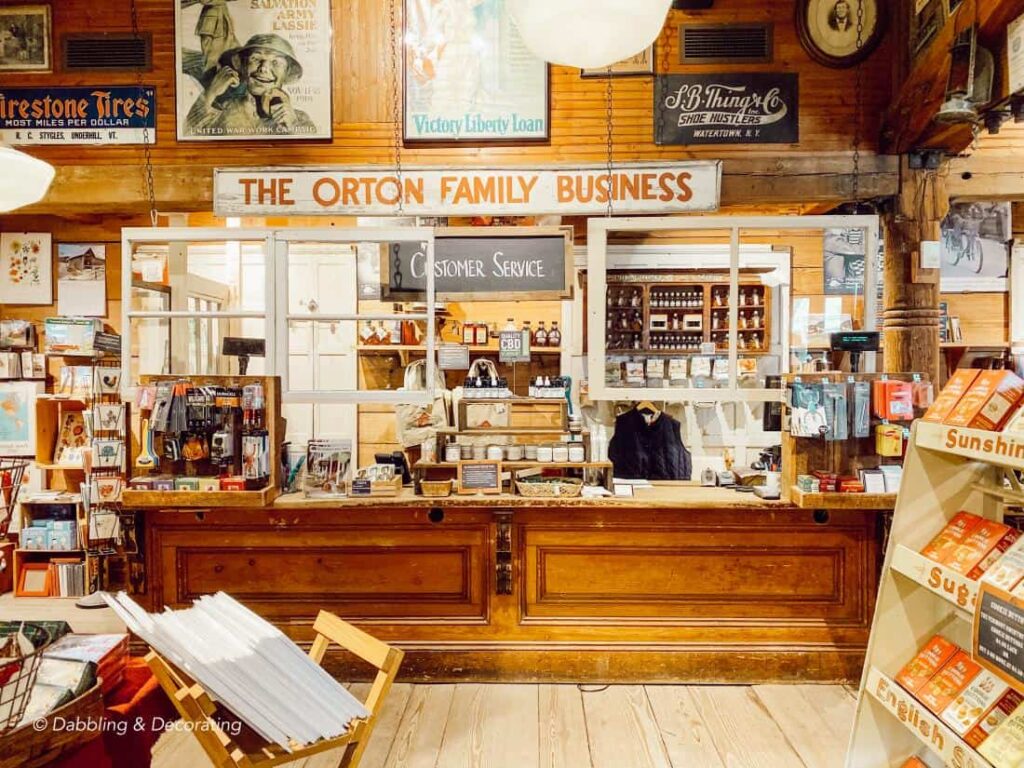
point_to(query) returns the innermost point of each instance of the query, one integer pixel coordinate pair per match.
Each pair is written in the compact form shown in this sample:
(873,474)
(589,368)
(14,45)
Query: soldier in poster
(275,86)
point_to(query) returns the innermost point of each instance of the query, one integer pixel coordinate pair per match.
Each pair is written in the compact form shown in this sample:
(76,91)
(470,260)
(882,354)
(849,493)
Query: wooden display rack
(136,499)
(919,598)
(248,749)
(25,556)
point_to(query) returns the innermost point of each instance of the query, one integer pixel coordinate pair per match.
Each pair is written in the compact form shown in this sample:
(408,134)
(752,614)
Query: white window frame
(275,314)
(598,230)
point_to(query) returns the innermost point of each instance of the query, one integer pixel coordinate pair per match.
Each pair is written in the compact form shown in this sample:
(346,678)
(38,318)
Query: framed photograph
(18,417)
(468,77)
(25,38)
(640,64)
(82,279)
(253,71)
(33,580)
(845,261)
(26,268)
(828,30)
(976,247)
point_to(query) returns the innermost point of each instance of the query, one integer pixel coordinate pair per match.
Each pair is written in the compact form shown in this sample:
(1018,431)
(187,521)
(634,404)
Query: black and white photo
(976,247)
(257,69)
(844,261)
(25,38)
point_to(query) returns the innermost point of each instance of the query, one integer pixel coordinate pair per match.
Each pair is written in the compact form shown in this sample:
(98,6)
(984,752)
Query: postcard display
(945,663)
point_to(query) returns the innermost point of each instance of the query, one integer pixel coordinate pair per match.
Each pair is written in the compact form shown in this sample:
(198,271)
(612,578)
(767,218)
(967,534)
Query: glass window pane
(190,347)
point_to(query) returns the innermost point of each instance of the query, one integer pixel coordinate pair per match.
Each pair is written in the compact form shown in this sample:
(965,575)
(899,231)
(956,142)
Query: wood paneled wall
(362,115)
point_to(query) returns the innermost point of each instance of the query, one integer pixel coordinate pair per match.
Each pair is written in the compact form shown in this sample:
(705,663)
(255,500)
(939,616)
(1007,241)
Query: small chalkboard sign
(999,633)
(108,343)
(479,477)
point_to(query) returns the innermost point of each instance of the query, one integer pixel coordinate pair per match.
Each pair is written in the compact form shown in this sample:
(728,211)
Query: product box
(1008,571)
(984,544)
(893,400)
(1005,745)
(942,690)
(914,762)
(971,704)
(209,483)
(889,440)
(232,483)
(993,718)
(33,537)
(827,481)
(942,547)
(141,484)
(186,483)
(928,661)
(163,483)
(990,401)
(950,395)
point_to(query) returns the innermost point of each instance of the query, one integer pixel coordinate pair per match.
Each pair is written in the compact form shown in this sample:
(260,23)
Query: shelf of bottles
(677,318)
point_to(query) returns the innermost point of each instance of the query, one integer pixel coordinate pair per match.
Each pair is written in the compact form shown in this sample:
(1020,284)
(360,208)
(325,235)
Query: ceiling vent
(111,51)
(725,43)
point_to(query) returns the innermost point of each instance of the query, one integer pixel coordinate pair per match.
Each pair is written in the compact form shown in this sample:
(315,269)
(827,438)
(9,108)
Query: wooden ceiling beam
(749,181)
(986,176)
(909,123)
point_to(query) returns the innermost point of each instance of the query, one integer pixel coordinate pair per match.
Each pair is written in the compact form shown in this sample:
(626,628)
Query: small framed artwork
(638,65)
(18,417)
(479,477)
(26,268)
(107,381)
(33,580)
(25,38)
(828,30)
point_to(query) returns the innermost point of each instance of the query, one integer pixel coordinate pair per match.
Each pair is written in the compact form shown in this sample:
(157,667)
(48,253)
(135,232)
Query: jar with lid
(452,452)
(577,453)
(560,453)
(544,453)
(468,333)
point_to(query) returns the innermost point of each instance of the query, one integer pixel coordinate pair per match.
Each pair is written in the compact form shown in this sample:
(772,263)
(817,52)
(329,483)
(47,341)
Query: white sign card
(1015,54)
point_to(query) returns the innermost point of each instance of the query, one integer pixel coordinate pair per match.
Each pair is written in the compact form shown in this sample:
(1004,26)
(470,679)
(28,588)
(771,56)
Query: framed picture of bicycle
(976,248)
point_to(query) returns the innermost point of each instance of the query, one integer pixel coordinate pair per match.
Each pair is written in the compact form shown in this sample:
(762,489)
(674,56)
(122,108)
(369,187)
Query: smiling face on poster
(253,69)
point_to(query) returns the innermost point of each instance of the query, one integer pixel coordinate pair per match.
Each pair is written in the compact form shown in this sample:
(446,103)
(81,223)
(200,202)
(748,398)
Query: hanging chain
(608,134)
(393,33)
(859,100)
(148,186)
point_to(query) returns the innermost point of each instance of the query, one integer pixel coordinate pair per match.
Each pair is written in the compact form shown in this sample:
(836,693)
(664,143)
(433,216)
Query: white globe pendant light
(23,179)
(588,33)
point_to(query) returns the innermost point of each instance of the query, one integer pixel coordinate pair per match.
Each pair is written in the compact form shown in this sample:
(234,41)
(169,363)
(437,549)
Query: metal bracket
(503,554)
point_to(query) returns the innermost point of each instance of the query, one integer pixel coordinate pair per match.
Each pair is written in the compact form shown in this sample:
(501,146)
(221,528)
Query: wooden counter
(678,583)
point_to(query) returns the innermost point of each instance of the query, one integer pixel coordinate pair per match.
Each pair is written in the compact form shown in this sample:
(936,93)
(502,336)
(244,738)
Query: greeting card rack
(947,469)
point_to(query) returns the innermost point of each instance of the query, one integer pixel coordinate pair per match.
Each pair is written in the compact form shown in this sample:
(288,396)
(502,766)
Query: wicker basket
(436,488)
(566,487)
(18,675)
(11,472)
(29,747)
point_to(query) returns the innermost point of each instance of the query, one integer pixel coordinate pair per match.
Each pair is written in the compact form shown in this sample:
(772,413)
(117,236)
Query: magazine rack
(248,749)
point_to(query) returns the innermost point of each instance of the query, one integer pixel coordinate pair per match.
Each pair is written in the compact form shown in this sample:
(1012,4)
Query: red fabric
(137,700)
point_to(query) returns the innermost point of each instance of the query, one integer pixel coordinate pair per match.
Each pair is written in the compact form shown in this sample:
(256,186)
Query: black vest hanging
(650,452)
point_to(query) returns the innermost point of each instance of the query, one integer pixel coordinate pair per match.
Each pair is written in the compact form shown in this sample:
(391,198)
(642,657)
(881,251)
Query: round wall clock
(828,29)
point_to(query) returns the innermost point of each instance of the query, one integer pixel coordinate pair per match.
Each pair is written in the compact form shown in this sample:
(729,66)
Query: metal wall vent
(111,51)
(725,43)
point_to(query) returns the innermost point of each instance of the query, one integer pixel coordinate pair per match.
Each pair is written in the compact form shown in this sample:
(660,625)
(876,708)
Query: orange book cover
(950,395)
(939,692)
(970,557)
(929,660)
(952,536)
(993,718)
(990,401)
(914,762)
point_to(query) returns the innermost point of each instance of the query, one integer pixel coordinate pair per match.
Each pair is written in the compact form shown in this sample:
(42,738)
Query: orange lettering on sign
(464,192)
(685,192)
(325,191)
(563,187)
(446,184)
(247,185)
(527,185)
(349,191)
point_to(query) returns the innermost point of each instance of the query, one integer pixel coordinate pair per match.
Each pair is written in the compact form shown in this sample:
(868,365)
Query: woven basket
(18,675)
(436,488)
(567,487)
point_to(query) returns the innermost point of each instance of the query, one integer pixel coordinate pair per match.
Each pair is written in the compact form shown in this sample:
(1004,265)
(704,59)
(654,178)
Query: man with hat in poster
(246,96)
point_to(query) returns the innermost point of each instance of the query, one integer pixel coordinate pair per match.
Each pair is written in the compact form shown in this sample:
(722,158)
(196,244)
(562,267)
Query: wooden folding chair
(248,749)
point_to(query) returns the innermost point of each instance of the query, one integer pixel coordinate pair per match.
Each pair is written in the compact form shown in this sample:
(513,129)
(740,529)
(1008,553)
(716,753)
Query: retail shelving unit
(948,469)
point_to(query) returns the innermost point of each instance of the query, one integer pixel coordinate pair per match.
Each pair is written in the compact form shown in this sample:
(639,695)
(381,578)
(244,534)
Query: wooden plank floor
(473,725)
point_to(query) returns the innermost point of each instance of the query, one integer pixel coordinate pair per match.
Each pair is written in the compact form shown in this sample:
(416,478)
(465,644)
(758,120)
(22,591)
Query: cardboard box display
(1004,747)
(942,690)
(941,548)
(950,395)
(990,402)
(889,440)
(1008,571)
(993,718)
(984,544)
(973,702)
(893,400)
(928,661)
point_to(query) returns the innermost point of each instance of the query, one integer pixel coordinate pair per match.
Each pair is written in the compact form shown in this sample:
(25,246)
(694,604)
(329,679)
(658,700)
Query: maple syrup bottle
(540,336)
(555,335)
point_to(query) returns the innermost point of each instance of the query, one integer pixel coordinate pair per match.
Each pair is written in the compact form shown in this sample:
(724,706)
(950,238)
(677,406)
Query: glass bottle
(540,336)
(527,335)
(555,335)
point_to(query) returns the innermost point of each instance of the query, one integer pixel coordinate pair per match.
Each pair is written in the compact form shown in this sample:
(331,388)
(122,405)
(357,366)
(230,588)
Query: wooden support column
(911,316)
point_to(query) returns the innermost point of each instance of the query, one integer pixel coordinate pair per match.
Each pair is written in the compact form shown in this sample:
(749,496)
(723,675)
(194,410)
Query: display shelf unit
(50,413)
(834,500)
(31,509)
(388,349)
(939,480)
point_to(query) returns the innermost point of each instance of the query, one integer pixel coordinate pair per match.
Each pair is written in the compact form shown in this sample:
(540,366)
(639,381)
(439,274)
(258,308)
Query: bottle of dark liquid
(255,439)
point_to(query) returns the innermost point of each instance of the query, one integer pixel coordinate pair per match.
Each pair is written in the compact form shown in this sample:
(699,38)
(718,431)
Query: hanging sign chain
(608,133)
(859,101)
(147,150)
(394,34)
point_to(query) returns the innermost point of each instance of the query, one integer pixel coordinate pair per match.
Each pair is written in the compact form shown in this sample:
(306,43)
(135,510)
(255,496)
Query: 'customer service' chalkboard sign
(740,108)
(485,264)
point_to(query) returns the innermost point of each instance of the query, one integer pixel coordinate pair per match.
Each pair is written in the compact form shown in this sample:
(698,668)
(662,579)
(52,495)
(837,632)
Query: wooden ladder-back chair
(248,749)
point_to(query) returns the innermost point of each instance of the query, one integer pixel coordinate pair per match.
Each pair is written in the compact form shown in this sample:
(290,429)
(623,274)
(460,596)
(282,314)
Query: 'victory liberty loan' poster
(253,69)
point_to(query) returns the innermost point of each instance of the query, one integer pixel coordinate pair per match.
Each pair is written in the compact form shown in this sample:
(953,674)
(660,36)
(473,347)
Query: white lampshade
(23,179)
(588,33)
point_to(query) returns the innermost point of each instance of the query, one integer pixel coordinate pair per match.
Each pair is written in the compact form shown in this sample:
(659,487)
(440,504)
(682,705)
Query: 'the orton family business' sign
(742,108)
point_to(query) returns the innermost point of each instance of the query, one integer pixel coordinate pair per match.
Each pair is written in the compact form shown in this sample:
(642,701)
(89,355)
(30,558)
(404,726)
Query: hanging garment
(650,452)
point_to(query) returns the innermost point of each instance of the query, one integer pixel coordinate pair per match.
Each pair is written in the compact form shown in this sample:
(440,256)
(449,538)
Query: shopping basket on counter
(22,645)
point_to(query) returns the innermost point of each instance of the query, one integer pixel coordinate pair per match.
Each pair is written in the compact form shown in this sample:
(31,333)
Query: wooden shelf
(192,499)
(1000,448)
(912,715)
(514,465)
(60,467)
(23,551)
(388,349)
(951,586)
(834,500)
(476,431)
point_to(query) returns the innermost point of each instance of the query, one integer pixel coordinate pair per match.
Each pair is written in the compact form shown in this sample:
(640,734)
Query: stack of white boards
(247,665)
